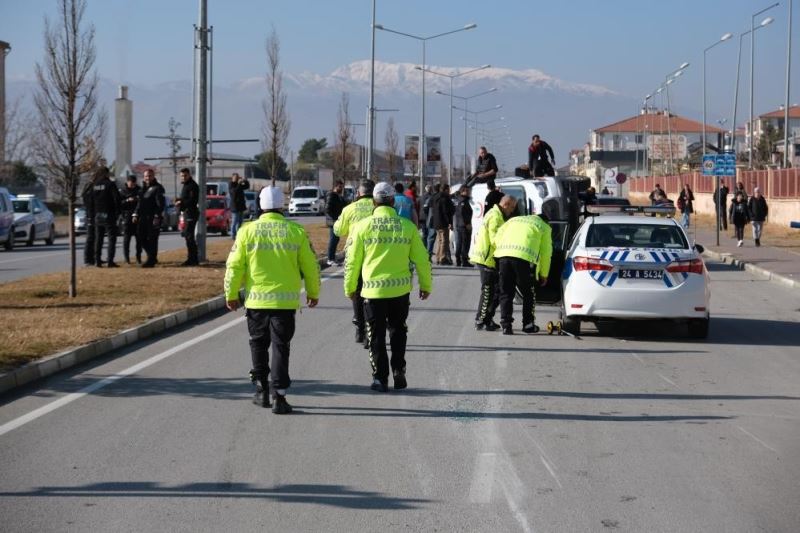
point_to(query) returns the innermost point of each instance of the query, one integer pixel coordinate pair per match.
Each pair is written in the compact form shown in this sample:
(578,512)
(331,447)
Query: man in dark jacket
(187,203)
(130,197)
(238,202)
(485,168)
(148,214)
(429,232)
(463,227)
(538,162)
(721,204)
(443,210)
(87,195)
(107,202)
(757,206)
(334,204)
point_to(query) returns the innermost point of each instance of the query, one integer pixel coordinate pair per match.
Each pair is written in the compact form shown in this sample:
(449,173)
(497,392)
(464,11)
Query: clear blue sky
(626,45)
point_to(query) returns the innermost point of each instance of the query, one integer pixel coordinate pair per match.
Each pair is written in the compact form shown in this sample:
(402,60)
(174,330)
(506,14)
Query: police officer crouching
(270,257)
(382,246)
(523,247)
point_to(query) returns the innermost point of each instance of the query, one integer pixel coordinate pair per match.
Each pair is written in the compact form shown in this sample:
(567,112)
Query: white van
(308,199)
(217,188)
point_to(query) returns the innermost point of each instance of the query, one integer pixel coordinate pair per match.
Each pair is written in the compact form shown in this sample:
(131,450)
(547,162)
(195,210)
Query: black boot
(359,335)
(281,406)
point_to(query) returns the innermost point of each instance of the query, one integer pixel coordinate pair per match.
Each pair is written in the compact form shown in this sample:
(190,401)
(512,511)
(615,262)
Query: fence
(783,184)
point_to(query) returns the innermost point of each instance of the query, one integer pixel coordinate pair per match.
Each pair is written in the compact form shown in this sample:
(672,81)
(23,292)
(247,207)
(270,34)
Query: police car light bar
(631,209)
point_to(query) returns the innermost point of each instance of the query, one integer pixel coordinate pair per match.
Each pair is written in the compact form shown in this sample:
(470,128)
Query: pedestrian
(485,169)
(686,204)
(334,204)
(721,204)
(429,209)
(271,258)
(351,215)
(758,209)
(739,216)
(493,197)
(523,247)
(147,216)
(605,192)
(443,210)
(384,244)
(411,193)
(657,191)
(423,206)
(238,202)
(107,202)
(740,189)
(403,204)
(462,224)
(130,197)
(187,203)
(483,256)
(87,195)
(538,162)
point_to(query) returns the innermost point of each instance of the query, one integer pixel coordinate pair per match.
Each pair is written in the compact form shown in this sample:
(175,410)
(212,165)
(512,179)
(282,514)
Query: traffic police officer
(130,197)
(271,256)
(87,195)
(379,253)
(147,216)
(352,214)
(523,247)
(483,256)
(107,201)
(190,195)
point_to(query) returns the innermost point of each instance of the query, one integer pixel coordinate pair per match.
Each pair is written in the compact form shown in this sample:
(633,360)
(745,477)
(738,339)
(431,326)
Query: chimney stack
(5,48)
(123,126)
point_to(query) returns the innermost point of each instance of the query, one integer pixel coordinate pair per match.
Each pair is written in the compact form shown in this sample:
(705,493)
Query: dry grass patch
(40,319)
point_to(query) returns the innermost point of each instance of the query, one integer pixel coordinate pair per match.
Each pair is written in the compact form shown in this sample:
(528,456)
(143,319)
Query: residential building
(776,120)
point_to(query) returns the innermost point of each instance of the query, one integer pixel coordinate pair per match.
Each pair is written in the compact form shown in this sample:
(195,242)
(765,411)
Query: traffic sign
(719,165)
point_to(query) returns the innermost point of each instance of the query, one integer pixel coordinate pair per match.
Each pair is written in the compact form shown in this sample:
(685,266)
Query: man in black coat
(463,227)
(130,197)
(107,200)
(443,210)
(148,214)
(238,202)
(334,203)
(757,206)
(87,195)
(721,204)
(187,203)
(538,162)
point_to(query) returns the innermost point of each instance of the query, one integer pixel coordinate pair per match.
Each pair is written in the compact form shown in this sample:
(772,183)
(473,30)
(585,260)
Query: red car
(218,215)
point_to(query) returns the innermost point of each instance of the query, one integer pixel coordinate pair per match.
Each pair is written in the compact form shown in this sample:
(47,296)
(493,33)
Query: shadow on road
(723,267)
(434,348)
(332,495)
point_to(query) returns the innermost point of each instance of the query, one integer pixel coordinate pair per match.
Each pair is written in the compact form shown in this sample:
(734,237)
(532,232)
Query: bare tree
(70,129)
(174,149)
(392,141)
(18,133)
(344,135)
(278,124)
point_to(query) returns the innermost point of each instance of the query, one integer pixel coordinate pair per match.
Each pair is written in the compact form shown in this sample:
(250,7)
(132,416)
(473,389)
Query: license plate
(630,273)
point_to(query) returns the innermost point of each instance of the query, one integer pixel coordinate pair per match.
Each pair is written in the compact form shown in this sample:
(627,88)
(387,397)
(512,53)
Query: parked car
(251,197)
(349,193)
(218,188)
(80,220)
(33,220)
(218,215)
(171,215)
(6,219)
(308,199)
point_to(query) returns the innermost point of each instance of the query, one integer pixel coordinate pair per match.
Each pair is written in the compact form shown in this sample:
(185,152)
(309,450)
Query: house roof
(657,122)
(794,112)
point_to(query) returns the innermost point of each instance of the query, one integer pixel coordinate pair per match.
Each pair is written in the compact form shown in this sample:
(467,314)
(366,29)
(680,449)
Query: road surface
(639,432)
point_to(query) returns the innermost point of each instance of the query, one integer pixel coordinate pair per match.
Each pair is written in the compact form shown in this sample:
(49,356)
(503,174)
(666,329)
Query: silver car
(33,220)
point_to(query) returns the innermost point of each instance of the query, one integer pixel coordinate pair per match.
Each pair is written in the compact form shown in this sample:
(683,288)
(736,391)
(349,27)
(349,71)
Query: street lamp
(788,77)
(721,40)
(669,80)
(752,71)
(766,22)
(644,136)
(476,113)
(423,40)
(466,105)
(452,77)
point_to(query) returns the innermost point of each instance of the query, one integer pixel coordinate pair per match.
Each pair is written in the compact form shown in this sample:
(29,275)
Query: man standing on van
(190,195)
(238,202)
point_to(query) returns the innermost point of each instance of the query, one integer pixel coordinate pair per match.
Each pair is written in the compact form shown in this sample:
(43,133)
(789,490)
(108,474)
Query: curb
(47,366)
(755,269)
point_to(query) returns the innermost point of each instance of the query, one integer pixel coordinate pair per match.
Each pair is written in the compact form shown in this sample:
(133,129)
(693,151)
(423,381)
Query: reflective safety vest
(483,249)
(270,255)
(352,214)
(528,238)
(382,246)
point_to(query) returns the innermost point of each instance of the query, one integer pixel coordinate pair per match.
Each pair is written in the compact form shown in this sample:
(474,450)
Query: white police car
(634,267)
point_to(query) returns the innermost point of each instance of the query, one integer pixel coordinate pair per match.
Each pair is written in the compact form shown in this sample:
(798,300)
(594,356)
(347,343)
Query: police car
(634,267)
(33,220)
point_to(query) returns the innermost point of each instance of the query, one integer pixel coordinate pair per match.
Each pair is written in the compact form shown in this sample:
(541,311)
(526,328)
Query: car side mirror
(37,210)
(699,248)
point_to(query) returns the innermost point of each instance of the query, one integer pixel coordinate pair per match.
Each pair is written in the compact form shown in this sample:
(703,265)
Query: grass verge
(40,319)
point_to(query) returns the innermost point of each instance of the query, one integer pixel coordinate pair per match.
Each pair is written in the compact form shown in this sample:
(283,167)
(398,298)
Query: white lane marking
(542,455)
(515,509)
(33,258)
(69,398)
(761,442)
(480,490)
(550,469)
(665,378)
(638,358)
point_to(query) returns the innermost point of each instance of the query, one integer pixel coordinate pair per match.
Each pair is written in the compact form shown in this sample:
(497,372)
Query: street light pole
(721,39)
(786,103)
(752,74)
(371,113)
(466,100)
(766,22)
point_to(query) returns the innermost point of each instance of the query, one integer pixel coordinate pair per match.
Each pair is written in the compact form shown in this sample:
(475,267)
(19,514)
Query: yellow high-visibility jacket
(351,214)
(382,246)
(528,238)
(270,256)
(483,250)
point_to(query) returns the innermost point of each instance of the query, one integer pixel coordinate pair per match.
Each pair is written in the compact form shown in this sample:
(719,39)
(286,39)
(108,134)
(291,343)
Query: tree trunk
(73,278)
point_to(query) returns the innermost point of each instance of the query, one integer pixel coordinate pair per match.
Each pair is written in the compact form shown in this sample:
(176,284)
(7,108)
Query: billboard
(658,147)
(411,155)
(433,165)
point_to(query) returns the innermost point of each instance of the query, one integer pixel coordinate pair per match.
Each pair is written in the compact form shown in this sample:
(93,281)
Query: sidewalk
(779,265)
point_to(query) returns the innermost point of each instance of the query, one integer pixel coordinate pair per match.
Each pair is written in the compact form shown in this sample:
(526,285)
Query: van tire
(9,244)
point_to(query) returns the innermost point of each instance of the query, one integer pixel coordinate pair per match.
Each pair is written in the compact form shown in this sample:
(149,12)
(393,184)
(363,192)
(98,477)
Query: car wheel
(571,325)
(698,328)
(9,245)
(31,237)
(224,231)
(52,237)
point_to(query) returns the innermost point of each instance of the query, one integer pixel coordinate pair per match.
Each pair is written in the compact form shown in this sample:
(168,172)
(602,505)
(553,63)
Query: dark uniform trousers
(128,231)
(463,237)
(487,305)
(88,246)
(383,314)
(148,231)
(189,225)
(105,224)
(358,307)
(516,273)
(271,327)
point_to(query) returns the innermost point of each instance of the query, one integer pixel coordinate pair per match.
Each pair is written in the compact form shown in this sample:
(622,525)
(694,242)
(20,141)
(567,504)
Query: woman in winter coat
(685,204)
(739,215)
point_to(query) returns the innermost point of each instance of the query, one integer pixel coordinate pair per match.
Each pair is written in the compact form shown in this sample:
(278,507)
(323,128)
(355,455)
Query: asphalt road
(26,261)
(645,431)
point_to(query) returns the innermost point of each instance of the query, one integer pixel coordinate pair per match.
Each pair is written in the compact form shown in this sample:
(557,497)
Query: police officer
(107,200)
(523,247)
(353,213)
(382,245)
(130,197)
(87,195)
(270,257)
(190,195)
(483,256)
(147,216)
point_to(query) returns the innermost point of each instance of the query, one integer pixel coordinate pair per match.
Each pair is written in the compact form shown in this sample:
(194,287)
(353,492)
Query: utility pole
(201,122)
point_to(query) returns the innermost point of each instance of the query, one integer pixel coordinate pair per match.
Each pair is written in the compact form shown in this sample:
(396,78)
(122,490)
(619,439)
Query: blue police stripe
(611,280)
(667,282)
(655,257)
(624,255)
(602,276)
(685,275)
(603,255)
